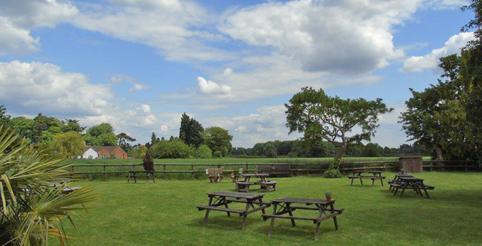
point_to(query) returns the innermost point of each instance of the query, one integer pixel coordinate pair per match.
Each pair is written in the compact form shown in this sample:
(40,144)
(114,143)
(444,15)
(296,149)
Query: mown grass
(164,213)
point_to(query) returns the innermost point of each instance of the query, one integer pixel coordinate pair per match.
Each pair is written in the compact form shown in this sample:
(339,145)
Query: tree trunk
(340,153)
(438,152)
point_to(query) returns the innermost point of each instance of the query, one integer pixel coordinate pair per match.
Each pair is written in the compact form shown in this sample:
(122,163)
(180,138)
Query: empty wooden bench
(366,174)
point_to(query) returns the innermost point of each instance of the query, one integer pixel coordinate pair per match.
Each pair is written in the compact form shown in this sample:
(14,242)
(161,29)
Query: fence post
(104,171)
(247,168)
(465,166)
(192,170)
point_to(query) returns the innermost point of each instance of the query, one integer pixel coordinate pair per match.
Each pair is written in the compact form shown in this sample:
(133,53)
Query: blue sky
(140,64)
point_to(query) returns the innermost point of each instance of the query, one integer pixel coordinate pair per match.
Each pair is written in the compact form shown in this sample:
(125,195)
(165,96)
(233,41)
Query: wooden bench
(215,174)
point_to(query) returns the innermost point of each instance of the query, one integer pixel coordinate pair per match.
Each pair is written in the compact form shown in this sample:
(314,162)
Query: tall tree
(218,140)
(316,114)
(474,74)
(154,139)
(191,131)
(124,141)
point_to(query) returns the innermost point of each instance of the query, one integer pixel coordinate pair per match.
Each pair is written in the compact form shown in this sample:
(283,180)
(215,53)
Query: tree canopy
(218,140)
(333,119)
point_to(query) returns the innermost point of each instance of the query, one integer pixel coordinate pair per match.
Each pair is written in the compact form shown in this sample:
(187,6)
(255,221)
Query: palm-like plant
(32,209)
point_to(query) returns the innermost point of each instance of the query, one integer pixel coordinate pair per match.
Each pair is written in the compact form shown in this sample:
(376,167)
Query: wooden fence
(197,170)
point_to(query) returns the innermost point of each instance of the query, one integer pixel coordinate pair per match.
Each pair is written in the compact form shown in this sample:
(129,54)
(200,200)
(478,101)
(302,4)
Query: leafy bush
(171,149)
(332,173)
(204,152)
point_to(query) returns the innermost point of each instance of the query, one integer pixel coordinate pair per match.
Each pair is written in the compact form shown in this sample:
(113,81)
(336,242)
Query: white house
(90,153)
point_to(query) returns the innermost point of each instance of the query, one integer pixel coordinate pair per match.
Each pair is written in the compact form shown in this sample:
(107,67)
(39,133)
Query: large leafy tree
(473,73)
(69,144)
(101,135)
(31,209)
(333,119)
(191,131)
(218,140)
(447,117)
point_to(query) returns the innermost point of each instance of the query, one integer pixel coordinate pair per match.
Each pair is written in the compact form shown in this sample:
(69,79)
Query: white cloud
(171,26)
(336,36)
(19,18)
(209,87)
(431,60)
(44,87)
(444,4)
(135,85)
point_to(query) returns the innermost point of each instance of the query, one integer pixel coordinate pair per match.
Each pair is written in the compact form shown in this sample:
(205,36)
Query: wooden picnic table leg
(261,204)
(226,206)
(207,210)
(426,193)
(332,206)
(270,231)
(291,214)
(317,231)
(361,180)
(245,214)
(352,181)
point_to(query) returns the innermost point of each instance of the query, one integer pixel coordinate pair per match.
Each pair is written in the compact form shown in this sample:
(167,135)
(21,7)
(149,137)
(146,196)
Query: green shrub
(171,149)
(332,173)
(204,152)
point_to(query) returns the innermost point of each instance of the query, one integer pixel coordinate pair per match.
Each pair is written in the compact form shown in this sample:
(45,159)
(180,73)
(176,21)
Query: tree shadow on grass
(224,222)
(303,230)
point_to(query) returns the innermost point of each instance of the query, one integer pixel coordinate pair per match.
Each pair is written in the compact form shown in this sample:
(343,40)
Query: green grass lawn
(164,213)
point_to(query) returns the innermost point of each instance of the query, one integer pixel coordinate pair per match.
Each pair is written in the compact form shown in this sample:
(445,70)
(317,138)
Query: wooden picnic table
(373,175)
(133,175)
(284,208)
(244,185)
(219,201)
(404,182)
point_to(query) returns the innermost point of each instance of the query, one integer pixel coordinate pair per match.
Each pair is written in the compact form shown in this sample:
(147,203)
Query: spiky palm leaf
(31,208)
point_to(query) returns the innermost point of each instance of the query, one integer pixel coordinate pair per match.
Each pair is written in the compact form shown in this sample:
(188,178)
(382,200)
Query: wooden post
(246,167)
(192,170)
(104,171)
(465,166)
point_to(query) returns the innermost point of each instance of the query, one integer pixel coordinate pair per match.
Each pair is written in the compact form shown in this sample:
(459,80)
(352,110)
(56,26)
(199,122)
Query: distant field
(227,161)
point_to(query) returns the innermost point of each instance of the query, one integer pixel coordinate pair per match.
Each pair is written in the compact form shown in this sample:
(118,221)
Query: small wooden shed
(411,164)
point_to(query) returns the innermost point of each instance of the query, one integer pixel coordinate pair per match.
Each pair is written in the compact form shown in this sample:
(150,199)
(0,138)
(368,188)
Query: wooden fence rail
(193,170)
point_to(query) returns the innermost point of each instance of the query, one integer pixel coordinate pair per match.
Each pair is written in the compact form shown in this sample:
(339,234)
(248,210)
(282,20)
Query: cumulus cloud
(445,4)
(171,26)
(44,87)
(336,36)
(432,59)
(209,87)
(19,18)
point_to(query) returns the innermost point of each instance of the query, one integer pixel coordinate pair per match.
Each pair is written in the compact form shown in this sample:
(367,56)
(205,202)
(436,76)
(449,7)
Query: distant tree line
(65,138)
(300,148)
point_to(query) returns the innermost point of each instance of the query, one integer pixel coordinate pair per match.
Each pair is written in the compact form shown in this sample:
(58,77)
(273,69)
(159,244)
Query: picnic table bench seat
(268,185)
(231,210)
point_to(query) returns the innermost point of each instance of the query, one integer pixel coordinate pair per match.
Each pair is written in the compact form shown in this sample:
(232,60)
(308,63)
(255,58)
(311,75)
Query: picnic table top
(238,195)
(366,171)
(303,200)
(411,178)
(255,174)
